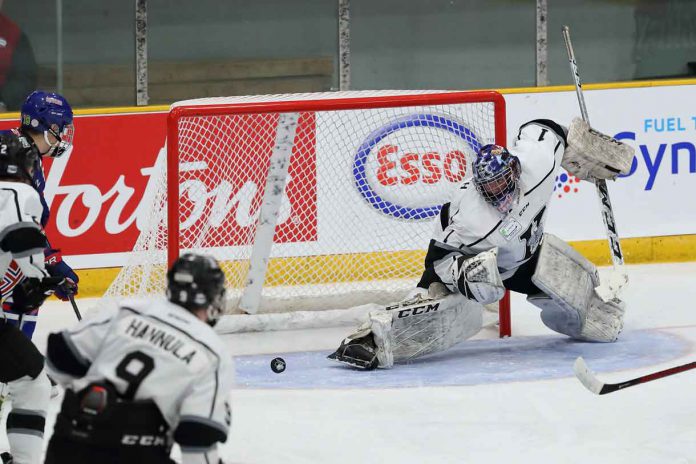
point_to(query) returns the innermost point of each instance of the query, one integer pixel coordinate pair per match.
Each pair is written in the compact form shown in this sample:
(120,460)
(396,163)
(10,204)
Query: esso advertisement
(410,167)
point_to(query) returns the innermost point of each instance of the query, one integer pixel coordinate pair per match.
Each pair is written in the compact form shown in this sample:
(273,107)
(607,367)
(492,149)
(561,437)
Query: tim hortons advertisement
(98,192)
(101,193)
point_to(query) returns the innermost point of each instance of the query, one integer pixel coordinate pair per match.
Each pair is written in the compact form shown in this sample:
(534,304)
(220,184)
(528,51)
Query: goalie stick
(596,386)
(619,277)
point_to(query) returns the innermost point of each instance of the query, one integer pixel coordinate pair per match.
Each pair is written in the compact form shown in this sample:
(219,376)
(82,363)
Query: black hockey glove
(29,294)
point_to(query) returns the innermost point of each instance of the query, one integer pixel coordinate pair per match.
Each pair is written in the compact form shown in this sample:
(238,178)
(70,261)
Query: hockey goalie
(490,238)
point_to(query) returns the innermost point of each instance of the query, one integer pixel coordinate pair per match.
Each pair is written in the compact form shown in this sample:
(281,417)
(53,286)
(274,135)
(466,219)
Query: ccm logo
(417,310)
(143,440)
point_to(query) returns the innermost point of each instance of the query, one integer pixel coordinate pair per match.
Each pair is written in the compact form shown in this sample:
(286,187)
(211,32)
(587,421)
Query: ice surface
(485,401)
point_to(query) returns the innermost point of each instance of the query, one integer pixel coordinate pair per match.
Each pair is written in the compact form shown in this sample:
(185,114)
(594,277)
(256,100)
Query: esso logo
(409,168)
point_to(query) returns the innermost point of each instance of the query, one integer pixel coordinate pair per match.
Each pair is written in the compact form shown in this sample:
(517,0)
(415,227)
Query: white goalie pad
(592,155)
(603,321)
(423,327)
(564,274)
(571,305)
(478,277)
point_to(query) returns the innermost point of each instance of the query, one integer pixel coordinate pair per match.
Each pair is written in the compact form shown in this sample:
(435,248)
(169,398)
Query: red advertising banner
(96,190)
(101,193)
(224,164)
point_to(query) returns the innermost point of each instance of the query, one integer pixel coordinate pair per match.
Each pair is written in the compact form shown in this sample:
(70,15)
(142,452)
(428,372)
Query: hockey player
(490,238)
(145,373)
(21,240)
(46,120)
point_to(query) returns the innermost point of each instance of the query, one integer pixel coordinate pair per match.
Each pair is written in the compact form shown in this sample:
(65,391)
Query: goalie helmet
(197,282)
(49,113)
(18,157)
(496,176)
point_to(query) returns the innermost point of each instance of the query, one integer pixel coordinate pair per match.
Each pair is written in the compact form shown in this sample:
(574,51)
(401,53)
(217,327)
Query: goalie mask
(496,176)
(49,114)
(197,282)
(18,157)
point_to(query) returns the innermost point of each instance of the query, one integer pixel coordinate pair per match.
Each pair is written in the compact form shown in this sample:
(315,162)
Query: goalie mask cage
(320,201)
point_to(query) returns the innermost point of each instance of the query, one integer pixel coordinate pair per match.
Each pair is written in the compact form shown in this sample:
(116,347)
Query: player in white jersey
(147,373)
(490,238)
(21,240)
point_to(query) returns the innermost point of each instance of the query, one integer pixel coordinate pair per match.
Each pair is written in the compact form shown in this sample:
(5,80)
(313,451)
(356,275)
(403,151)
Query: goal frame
(302,104)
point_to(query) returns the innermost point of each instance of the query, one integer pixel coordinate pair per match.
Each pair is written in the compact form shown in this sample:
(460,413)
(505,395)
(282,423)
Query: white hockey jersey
(153,349)
(469,225)
(20,230)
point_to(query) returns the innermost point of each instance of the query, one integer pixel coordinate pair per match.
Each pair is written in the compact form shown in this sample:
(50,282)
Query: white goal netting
(309,201)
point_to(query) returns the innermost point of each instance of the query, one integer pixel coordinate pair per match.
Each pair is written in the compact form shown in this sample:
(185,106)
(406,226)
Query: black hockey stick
(74,306)
(596,386)
(619,278)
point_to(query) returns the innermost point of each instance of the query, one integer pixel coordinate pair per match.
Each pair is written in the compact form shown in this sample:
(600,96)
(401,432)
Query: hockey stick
(74,307)
(619,278)
(596,386)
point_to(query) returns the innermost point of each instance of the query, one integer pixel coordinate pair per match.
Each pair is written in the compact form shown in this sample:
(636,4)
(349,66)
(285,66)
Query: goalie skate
(360,352)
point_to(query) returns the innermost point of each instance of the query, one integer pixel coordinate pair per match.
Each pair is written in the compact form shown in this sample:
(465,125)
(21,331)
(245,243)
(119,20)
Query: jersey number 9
(134,367)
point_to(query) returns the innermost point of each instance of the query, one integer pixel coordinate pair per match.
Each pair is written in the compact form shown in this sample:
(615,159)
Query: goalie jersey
(152,349)
(469,225)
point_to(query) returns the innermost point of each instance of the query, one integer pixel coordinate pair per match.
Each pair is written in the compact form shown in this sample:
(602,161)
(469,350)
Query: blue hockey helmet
(496,176)
(49,113)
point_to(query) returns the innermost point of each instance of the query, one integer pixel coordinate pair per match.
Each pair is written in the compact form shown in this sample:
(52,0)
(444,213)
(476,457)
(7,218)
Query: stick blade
(587,377)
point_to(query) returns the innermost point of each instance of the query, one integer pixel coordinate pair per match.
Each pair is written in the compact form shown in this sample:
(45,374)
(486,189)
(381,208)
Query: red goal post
(320,200)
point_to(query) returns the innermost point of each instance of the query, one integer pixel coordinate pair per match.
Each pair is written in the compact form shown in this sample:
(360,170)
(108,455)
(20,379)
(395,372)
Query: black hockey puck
(278,365)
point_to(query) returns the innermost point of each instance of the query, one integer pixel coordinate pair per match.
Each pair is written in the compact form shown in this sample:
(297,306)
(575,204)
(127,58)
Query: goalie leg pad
(603,321)
(571,305)
(434,327)
(478,278)
(556,317)
(409,330)
(564,274)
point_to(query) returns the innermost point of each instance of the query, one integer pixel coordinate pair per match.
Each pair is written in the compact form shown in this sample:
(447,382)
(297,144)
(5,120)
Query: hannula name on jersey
(137,327)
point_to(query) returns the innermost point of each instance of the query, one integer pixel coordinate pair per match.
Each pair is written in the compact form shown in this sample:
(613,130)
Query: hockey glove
(31,293)
(59,268)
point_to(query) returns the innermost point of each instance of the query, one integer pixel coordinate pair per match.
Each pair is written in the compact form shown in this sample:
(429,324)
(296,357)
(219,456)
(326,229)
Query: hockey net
(312,203)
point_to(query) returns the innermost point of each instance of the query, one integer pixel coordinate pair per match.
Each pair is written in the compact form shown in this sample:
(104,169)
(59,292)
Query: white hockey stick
(596,386)
(618,279)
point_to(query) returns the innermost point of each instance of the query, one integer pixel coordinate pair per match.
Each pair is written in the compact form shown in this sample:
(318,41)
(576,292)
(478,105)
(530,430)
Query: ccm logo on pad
(414,311)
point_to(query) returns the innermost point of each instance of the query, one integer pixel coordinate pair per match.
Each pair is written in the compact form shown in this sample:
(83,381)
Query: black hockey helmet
(18,157)
(195,282)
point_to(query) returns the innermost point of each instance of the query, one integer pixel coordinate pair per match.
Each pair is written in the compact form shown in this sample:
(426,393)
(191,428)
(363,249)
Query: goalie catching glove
(592,155)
